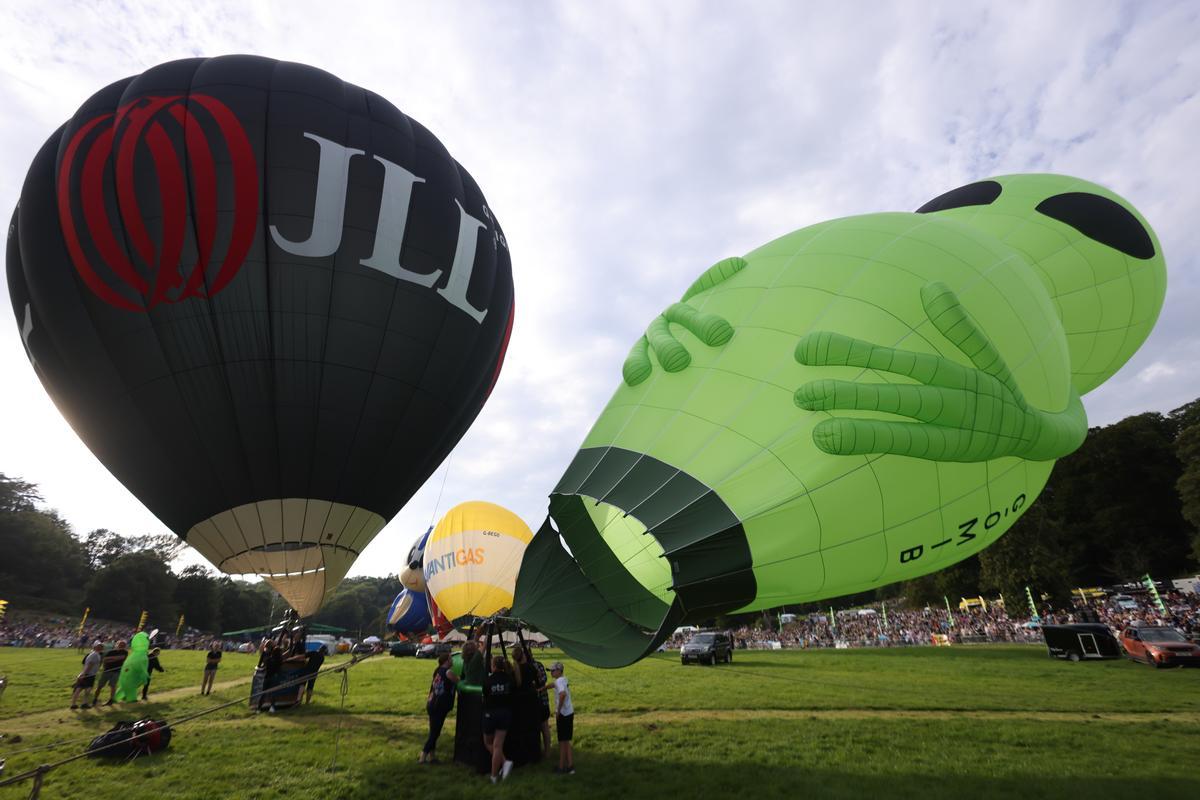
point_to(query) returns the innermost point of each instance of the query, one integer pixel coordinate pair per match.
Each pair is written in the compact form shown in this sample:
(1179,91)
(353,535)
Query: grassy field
(924,723)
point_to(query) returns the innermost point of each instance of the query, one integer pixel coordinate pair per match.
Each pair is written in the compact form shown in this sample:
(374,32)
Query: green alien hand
(711,329)
(962,414)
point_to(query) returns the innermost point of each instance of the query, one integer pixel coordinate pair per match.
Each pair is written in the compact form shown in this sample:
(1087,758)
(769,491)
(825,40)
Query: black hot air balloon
(267,300)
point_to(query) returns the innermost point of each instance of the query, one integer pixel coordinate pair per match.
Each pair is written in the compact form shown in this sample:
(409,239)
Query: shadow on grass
(620,776)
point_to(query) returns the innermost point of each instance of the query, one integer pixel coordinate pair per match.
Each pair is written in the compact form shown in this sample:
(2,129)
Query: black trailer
(1081,640)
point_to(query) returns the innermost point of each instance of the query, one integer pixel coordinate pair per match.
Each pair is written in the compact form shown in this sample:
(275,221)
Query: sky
(626,146)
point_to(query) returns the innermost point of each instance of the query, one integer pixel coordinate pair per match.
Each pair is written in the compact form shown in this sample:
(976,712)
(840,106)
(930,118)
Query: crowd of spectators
(870,626)
(867,626)
(58,632)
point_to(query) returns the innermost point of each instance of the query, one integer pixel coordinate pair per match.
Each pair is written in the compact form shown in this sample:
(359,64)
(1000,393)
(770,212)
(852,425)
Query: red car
(1160,647)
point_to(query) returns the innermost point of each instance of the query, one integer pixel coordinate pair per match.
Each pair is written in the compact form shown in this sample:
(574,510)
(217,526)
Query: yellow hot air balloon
(472,558)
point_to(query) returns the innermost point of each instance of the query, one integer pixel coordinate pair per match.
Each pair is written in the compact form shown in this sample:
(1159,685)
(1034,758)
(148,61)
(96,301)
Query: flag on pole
(832,619)
(1162,608)
(142,622)
(1032,606)
(83,621)
(885,614)
(949,613)
(3,608)
(179,627)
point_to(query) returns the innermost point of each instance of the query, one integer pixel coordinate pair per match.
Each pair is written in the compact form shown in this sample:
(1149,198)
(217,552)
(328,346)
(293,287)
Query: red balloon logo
(139,272)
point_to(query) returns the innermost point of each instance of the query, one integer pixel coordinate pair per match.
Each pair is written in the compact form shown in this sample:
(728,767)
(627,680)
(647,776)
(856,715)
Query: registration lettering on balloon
(861,401)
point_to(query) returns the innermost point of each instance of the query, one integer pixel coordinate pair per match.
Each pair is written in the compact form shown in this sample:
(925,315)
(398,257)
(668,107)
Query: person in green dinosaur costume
(860,402)
(135,672)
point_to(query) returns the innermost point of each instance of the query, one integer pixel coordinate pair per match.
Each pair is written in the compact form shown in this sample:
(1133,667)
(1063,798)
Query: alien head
(1098,257)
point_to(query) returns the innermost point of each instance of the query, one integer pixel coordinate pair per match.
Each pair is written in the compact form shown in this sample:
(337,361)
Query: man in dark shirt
(112,663)
(314,660)
(152,666)
(438,705)
(212,660)
(539,685)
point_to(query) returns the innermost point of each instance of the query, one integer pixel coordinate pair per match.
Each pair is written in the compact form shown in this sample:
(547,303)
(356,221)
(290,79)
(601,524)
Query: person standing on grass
(315,660)
(87,678)
(564,719)
(497,715)
(539,685)
(152,666)
(113,661)
(212,660)
(438,705)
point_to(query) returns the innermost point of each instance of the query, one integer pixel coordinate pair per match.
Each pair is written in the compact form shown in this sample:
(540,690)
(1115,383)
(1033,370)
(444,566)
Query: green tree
(1036,552)
(244,605)
(43,564)
(954,582)
(131,584)
(197,597)
(1187,448)
(17,495)
(104,547)
(1116,498)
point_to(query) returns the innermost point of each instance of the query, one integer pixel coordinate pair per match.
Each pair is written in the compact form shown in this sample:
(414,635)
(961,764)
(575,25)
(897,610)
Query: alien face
(1096,255)
(1102,218)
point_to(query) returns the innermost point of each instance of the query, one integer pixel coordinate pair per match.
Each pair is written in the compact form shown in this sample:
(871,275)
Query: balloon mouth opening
(635,548)
(622,562)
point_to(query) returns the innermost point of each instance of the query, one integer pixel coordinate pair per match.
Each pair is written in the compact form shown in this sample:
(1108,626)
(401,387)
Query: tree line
(46,566)
(1126,504)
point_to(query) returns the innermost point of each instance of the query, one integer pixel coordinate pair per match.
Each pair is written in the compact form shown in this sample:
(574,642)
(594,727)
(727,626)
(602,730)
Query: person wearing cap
(86,679)
(564,720)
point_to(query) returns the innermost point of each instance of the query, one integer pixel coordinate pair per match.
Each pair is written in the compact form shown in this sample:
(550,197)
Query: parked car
(362,648)
(399,649)
(707,648)
(434,649)
(1160,647)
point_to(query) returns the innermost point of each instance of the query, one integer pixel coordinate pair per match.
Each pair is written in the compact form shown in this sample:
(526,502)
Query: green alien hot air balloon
(859,402)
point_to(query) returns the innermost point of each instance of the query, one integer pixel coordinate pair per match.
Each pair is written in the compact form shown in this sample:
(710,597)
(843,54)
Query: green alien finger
(711,329)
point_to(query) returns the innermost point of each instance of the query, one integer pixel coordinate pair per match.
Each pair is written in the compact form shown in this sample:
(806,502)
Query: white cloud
(625,147)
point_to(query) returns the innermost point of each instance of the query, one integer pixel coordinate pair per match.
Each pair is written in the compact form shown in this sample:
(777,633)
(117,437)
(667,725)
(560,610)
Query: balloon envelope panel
(472,558)
(409,612)
(267,300)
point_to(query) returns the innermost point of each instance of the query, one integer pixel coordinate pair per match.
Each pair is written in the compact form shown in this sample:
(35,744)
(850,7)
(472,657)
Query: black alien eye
(1101,219)
(973,194)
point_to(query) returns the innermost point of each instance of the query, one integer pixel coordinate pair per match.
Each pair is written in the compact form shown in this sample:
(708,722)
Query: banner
(1162,608)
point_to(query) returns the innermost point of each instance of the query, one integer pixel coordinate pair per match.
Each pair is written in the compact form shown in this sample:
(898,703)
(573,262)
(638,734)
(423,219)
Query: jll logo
(152,271)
